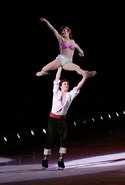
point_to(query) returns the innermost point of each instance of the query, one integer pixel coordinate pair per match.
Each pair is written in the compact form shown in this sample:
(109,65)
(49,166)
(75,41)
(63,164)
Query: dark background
(28,45)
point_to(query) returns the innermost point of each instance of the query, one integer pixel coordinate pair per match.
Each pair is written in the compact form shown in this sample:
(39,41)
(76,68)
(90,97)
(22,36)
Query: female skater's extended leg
(73,67)
(50,66)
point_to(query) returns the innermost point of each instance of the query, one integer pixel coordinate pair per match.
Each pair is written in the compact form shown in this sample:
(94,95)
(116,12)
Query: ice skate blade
(60,168)
(44,168)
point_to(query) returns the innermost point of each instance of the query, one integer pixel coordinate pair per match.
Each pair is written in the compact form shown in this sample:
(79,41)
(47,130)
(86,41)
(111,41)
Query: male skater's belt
(57,116)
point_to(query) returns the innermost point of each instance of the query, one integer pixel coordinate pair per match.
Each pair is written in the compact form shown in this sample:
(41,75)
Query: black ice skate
(61,165)
(45,162)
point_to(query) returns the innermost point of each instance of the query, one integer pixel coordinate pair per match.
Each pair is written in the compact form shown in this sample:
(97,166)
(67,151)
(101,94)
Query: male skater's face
(65,86)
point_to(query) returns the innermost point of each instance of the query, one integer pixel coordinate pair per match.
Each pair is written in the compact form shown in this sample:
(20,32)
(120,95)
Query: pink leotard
(65,46)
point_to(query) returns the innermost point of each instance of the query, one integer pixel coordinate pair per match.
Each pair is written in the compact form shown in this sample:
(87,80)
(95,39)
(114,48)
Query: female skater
(67,46)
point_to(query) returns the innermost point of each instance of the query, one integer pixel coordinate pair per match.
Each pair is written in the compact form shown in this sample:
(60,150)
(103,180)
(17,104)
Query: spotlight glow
(75,123)
(5,139)
(109,116)
(44,130)
(18,135)
(92,165)
(84,121)
(117,114)
(32,132)
(98,161)
(101,117)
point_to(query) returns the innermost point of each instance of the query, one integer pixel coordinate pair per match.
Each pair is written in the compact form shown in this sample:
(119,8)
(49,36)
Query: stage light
(109,116)
(75,123)
(44,130)
(117,114)
(18,135)
(84,121)
(123,111)
(93,119)
(5,139)
(32,132)
(101,117)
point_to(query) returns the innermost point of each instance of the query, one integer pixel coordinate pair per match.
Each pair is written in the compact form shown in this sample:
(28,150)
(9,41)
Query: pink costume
(65,60)
(65,46)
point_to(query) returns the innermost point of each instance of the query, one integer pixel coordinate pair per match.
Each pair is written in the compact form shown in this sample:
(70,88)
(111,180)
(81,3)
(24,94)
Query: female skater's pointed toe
(41,73)
(89,74)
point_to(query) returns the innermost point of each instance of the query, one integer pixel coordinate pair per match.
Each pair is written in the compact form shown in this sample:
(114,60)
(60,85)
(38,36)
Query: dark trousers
(55,125)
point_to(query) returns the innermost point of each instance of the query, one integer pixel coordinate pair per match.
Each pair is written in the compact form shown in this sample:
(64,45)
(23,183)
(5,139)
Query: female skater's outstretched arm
(57,35)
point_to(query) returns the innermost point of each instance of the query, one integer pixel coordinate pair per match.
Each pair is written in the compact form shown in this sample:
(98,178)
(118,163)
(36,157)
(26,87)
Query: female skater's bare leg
(50,66)
(73,67)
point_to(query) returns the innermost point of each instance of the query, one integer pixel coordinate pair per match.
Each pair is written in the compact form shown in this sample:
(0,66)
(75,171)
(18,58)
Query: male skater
(62,100)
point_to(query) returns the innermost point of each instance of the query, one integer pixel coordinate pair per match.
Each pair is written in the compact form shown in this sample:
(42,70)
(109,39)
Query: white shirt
(57,107)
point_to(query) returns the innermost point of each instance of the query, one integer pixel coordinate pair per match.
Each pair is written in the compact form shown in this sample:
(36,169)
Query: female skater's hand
(42,19)
(81,54)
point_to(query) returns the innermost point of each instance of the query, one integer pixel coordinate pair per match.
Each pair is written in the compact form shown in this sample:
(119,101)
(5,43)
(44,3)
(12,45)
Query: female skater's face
(65,86)
(64,32)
